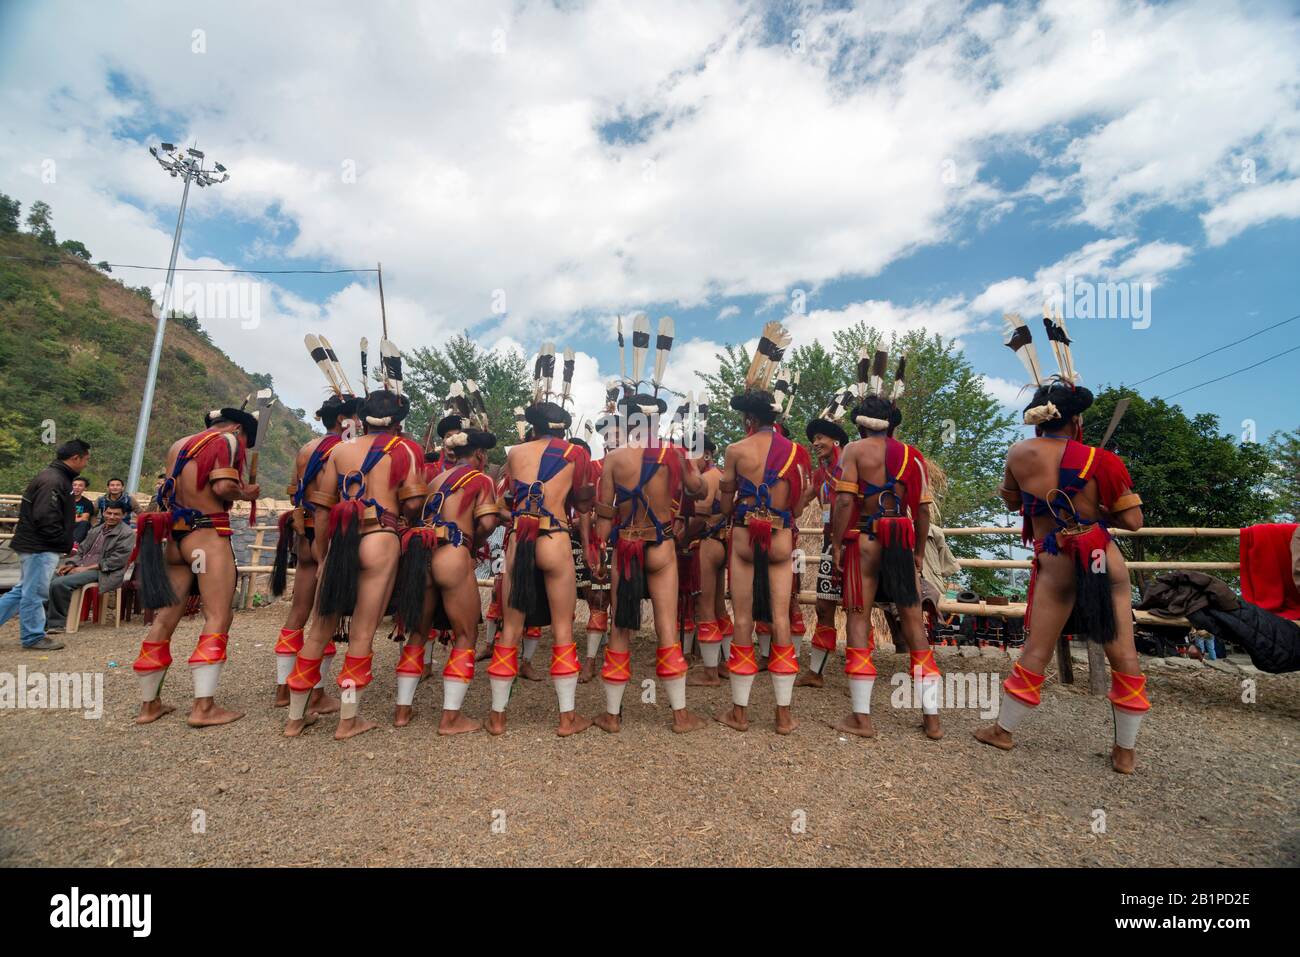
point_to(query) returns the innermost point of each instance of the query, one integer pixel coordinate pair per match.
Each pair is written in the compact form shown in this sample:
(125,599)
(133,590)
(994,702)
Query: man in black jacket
(43,533)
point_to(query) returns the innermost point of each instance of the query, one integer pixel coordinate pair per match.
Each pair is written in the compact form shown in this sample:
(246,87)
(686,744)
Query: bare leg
(858,722)
(555,559)
(217,589)
(712,556)
(742,603)
(164,624)
(453,576)
(661,577)
(379,553)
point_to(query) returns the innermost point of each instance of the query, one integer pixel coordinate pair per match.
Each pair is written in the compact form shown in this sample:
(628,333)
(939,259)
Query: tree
(39,222)
(1188,473)
(1284,449)
(77,248)
(502,377)
(103,265)
(10,209)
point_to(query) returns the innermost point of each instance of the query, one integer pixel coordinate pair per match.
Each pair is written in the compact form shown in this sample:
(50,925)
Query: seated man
(83,510)
(101,561)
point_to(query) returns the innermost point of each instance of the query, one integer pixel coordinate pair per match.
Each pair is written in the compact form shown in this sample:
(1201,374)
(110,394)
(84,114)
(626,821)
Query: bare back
(1035,466)
(748,458)
(522,465)
(863,460)
(205,499)
(623,468)
(348,457)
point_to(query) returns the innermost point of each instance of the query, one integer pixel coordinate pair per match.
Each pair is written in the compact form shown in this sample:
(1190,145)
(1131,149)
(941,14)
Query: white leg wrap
(490,630)
(453,694)
(283,666)
(614,696)
(593,643)
(860,694)
(500,692)
(406,685)
(1011,711)
(428,653)
(688,640)
(1127,724)
(530,645)
(818,662)
(565,689)
(206,678)
(764,645)
(326,663)
(926,690)
(710,651)
(676,692)
(351,705)
(726,647)
(298,704)
(150,683)
(740,688)
(783,685)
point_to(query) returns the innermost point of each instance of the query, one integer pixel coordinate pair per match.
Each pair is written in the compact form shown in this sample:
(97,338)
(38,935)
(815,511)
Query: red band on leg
(924,663)
(762,628)
(290,640)
(494,610)
(356,673)
(670,662)
(728,628)
(618,666)
(1129,692)
(505,661)
(330,649)
(533,632)
(564,660)
(857,663)
(709,632)
(797,625)
(211,650)
(742,661)
(460,665)
(784,661)
(411,660)
(598,621)
(1024,685)
(305,674)
(824,637)
(154,656)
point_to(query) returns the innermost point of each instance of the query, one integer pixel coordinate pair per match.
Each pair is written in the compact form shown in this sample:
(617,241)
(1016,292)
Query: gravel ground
(1215,785)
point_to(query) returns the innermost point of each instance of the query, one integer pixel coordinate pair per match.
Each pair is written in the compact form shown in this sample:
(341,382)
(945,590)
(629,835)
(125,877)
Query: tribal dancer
(878,543)
(598,594)
(338,414)
(760,483)
(1070,495)
(459,512)
(713,533)
(191,530)
(375,476)
(828,439)
(538,585)
(635,512)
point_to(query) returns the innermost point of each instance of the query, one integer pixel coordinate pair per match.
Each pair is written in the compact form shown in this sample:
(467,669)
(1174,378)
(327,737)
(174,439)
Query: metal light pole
(188,166)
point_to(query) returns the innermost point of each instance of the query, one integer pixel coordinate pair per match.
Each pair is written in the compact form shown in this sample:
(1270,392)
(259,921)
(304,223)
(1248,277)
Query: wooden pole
(383,313)
(1063,663)
(1096,668)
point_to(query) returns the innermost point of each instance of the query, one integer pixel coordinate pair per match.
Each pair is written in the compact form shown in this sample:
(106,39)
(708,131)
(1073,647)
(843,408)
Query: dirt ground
(1215,785)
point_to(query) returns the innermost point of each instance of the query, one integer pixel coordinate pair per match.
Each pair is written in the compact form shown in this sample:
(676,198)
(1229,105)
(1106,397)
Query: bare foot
(994,735)
(588,671)
(1122,759)
(351,727)
(930,723)
(736,719)
(785,721)
(607,722)
(859,724)
(572,723)
(322,703)
(294,728)
(403,715)
(453,722)
(281,697)
(208,715)
(810,679)
(526,671)
(496,723)
(704,678)
(151,711)
(685,721)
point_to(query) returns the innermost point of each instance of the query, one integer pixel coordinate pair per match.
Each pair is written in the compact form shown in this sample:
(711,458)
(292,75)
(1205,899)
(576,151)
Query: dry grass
(1216,780)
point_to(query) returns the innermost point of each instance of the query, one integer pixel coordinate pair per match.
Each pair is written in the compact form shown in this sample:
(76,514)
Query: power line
(1220,349)
(260,272)
(1229,375)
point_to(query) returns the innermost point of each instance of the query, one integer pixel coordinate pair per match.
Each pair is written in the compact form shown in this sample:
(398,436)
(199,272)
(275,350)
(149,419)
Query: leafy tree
(10,209)
(103,265)
(502,377)
(77,248)
(39,223)
(1188,473)
(1284,448)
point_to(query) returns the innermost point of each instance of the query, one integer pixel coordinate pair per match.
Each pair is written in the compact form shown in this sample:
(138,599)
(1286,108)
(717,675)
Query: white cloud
(1277,200)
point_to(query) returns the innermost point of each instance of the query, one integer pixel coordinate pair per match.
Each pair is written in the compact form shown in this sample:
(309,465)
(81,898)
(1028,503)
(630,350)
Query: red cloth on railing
(1267,576)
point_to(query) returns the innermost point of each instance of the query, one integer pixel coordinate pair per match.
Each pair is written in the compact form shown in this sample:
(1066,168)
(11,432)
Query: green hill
(74,349)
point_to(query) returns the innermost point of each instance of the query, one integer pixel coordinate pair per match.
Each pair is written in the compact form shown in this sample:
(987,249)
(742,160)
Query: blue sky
(926,164)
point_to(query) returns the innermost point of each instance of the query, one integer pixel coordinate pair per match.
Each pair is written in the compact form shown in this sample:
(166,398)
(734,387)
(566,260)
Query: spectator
(1205,642)
(83,510)
(117,496)
(102,561)
(43,533)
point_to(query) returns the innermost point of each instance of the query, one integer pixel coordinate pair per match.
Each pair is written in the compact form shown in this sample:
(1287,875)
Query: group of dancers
(381,527)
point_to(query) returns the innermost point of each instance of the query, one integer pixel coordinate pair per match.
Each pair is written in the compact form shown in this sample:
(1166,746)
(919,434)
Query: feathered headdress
(767,356)
(1060,341)
(1021,341)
